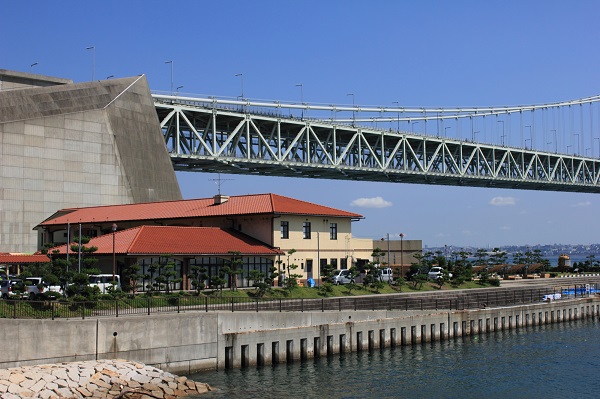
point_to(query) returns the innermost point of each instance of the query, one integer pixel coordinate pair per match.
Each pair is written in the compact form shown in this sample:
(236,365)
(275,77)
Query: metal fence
(448,300)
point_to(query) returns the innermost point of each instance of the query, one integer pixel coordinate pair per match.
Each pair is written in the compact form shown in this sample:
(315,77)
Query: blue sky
(419,53)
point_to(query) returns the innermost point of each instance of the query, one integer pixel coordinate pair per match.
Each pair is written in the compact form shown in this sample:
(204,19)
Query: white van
(103,281)
(386,274)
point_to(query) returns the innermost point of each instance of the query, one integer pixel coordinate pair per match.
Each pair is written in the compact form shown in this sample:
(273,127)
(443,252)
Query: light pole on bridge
(397,102)
(301,86)
(578,149)
(241,75)
(413,126)
(171,62)
(530,136)
(502,136)
(597,138)
(353,118)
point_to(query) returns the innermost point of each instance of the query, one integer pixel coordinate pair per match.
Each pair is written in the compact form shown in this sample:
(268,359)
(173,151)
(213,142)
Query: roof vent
(221,199)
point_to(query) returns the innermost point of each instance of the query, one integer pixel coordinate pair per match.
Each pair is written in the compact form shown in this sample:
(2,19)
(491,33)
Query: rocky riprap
(95,379)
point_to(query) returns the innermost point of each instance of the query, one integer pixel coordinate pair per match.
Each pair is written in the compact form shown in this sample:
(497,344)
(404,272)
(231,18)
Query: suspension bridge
(551,147)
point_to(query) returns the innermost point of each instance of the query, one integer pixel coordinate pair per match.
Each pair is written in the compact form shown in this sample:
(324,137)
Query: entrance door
(309,268)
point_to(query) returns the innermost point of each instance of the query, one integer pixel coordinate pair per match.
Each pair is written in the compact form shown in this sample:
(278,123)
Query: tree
(131,277)
(327,272)
(232,269)
(442,278)
(399,280)
(218,281)
(291,280)
(198,277)
(352,284)
(377,255)
(258,281)
(463,270)
(77,283)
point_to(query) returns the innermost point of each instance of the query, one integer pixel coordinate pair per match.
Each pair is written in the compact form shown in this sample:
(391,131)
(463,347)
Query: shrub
(494,282)
(52,295)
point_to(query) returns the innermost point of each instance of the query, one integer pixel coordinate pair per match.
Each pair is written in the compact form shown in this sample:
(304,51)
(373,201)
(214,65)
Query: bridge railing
(20,309)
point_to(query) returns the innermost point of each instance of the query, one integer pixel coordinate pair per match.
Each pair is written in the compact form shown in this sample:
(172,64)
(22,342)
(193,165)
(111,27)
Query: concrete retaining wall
(187,342)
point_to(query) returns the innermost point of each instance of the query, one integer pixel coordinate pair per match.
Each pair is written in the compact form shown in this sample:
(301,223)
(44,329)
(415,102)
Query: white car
(103,281)
(436,272)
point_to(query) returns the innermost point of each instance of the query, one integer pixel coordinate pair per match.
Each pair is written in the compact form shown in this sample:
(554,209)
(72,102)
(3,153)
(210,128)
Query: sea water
(549,361)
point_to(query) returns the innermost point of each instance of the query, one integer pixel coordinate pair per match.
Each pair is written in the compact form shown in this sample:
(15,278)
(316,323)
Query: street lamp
(412,126)
(446,131)
(401,251)
(502,136)
(577,134)
(171,62)
(241,75)
(555,140)
(114,265)
(301,86)
(526,142)
(32,65)
(388,248)
(598,138)
(177,90)
(93,48)
(397,102)
(353,118)
(530,136)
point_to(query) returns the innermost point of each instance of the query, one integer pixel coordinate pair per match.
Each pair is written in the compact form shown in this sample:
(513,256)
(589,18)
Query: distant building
(564,262)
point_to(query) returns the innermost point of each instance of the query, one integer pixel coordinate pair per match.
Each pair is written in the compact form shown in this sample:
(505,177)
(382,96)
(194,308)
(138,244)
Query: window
(333,263)
(333,231)
(306,230)
(285,229)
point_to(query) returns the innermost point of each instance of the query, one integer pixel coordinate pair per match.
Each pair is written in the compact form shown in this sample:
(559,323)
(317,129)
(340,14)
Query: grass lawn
(342,290)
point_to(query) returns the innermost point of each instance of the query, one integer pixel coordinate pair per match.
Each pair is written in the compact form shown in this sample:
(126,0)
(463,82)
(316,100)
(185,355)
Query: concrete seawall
(188,342)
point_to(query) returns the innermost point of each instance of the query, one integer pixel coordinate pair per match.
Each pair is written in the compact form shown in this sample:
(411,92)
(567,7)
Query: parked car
(35,287)
(342,277)
(103,281)
(436,272)
(386,274)
(10,288)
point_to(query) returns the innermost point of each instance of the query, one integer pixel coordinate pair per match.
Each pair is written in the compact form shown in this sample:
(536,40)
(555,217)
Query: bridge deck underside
(234,141)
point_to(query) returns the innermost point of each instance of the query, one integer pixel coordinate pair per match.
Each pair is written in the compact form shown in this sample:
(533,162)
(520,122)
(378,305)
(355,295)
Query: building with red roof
(261,229)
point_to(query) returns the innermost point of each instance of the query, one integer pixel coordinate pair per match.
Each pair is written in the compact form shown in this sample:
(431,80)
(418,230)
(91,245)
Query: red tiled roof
(236,205)
(158,240)
(22,259)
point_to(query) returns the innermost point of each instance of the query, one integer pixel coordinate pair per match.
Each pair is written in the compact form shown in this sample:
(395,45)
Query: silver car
(342,277)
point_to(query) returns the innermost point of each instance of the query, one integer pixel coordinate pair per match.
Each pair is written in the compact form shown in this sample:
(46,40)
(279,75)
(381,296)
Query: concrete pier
(188,342)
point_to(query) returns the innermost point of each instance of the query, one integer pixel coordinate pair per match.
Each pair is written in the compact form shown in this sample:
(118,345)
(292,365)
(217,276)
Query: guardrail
(454,300)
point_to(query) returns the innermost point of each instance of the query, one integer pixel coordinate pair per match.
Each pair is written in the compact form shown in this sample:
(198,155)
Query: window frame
(284,230)
(306,230)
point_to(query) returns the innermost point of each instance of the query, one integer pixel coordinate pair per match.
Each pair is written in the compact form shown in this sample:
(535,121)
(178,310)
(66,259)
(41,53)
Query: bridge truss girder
(211,139)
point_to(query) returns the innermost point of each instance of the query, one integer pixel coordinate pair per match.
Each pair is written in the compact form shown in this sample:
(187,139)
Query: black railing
(451,300)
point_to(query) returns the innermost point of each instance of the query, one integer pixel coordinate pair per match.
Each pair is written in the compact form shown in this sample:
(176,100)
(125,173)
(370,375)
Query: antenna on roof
(218,181)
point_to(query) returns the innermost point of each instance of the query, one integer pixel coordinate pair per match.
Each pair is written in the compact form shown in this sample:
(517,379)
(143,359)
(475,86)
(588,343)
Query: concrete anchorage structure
(65,144)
